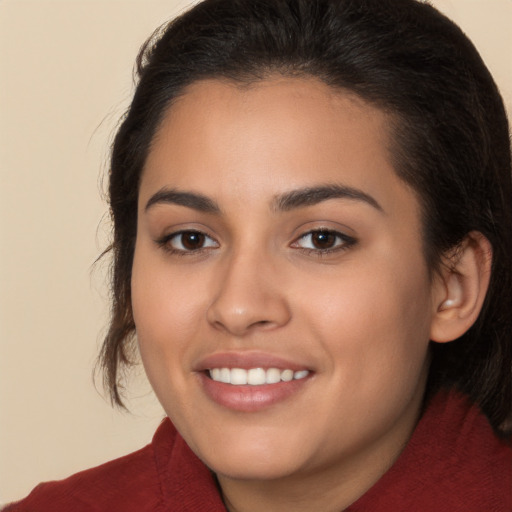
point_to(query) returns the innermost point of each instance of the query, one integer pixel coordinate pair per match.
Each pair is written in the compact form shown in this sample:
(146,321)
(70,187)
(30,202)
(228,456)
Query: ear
(460,287)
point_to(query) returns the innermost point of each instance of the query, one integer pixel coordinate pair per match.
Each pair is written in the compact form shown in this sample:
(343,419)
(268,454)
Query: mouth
(255,376)
(251,382)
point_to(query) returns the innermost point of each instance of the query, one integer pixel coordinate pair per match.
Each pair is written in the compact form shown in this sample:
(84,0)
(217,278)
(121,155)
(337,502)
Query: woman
(312,251)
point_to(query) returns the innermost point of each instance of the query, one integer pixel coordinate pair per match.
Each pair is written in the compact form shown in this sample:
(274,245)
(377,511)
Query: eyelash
(342,242)
(165,242)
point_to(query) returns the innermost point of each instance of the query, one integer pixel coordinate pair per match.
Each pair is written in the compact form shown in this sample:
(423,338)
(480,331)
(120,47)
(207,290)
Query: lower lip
(248,398)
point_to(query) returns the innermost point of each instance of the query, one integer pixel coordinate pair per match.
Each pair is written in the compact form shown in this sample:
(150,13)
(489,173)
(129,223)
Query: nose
(249,296)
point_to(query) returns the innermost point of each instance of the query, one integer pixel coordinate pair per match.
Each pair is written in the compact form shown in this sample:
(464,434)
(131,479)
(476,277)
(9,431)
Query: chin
(250,458)
(262,469)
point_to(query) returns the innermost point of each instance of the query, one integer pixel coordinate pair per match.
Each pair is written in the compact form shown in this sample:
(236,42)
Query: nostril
(262,322)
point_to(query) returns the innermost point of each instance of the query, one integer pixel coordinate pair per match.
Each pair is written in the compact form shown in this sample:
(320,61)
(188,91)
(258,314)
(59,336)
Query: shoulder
(165,475)
(473,464)
(453,462)
(129,483)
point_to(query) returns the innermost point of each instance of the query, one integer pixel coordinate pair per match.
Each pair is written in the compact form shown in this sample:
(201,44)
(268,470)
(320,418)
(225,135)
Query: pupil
(323,239)
(192,240)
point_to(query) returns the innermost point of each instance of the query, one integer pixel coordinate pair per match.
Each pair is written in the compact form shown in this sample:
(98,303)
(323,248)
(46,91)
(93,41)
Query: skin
(358,317)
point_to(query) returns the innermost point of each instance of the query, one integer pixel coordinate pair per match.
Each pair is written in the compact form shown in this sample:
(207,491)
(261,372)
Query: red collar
(452,463)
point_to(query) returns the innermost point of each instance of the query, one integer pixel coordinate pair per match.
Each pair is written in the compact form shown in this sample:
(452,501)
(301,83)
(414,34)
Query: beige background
(65,78)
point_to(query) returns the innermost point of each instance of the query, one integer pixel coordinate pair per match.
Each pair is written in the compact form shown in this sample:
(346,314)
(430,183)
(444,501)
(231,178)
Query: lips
(251,382)
(248,360)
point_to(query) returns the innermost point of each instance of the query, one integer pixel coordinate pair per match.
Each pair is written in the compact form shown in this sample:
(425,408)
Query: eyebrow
(313,195)
(298,198)
(192,200)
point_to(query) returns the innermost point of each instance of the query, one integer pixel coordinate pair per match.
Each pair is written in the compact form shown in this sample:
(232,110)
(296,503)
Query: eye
(187,241)
(324,241)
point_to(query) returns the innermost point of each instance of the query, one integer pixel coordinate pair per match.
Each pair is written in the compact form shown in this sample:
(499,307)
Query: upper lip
(248,360)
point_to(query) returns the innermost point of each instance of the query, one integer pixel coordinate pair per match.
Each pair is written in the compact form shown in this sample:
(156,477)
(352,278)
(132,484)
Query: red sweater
(453,463)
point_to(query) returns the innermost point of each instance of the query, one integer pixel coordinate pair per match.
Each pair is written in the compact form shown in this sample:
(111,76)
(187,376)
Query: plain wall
(65,79)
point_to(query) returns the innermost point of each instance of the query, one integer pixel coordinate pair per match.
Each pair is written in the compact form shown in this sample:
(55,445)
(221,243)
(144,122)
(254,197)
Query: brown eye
(192,240)
(323,239)
(189,241)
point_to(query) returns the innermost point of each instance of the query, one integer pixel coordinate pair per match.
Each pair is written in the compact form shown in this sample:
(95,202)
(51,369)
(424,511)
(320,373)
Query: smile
(255,376)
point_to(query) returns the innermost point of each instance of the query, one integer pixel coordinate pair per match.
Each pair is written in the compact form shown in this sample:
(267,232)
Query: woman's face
(275,242)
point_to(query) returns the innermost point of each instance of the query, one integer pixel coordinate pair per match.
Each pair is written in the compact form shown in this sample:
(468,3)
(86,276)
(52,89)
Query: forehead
(295,108)
(262,139)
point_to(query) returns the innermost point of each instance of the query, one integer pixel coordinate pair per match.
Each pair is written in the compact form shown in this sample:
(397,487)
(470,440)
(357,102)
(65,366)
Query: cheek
(164,314)
(163,324)
(164,302)
(377,317)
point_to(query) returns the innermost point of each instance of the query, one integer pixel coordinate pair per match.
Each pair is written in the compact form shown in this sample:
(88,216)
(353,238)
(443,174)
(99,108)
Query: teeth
(287,375)
(273,376)
(255,376)
(225,375)
(238,376)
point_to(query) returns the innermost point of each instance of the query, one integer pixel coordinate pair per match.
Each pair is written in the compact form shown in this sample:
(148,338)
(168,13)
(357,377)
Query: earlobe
(460,288)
